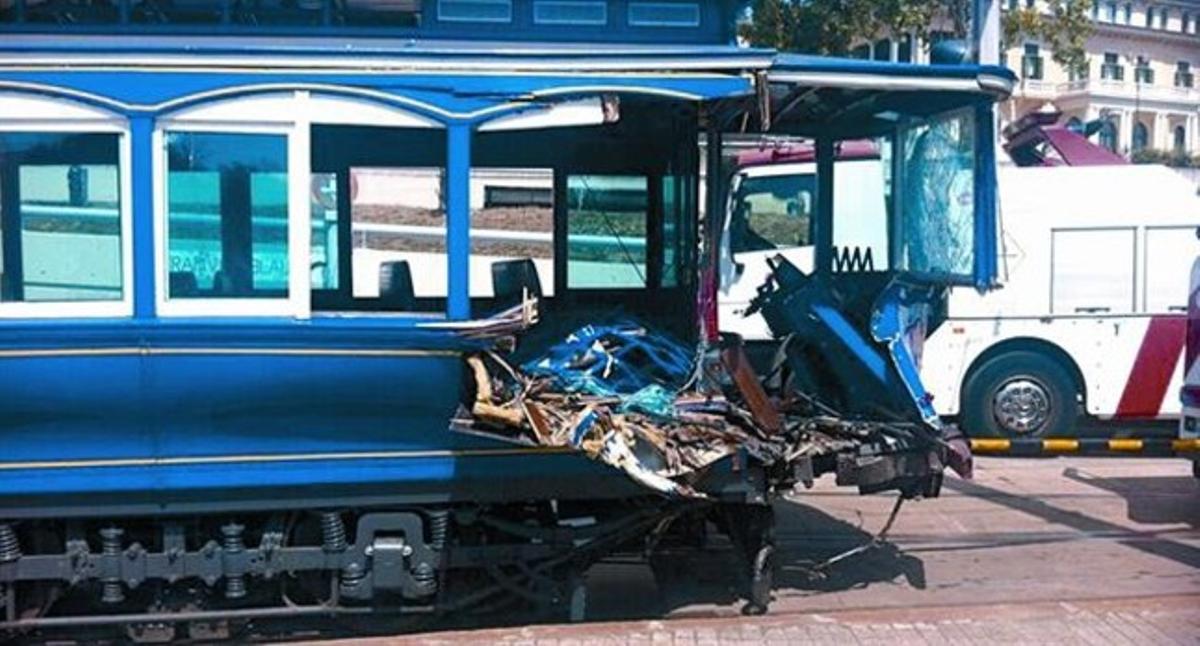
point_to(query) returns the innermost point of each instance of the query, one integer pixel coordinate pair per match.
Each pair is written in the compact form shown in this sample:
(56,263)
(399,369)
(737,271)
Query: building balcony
(1037,89)
(1120,89)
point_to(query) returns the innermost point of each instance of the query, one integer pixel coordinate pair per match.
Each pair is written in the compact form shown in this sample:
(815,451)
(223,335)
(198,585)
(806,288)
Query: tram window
(227,215)
(474,10)
(60,223)
(391,13)
(398,216)
(678,202)
(607,222)
(937,192)
(512,218)
(861,203)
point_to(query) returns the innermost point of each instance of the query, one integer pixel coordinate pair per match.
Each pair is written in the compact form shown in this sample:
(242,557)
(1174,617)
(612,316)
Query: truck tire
(1020,394)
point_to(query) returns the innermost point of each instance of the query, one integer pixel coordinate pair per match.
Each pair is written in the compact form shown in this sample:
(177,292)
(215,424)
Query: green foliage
(1067,30)
(832,27)
(1175,158)
(1018,24)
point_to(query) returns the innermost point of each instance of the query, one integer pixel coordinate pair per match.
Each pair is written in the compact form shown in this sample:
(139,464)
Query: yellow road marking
(1060,446)
(990,446)
(1126,445)
(1186,446)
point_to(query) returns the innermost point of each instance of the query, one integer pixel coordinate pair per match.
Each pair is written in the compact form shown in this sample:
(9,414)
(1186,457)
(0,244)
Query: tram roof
(463,78)
(515,56)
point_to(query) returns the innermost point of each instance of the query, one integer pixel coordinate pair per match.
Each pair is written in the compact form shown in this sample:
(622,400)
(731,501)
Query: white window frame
(296,303)
(496,21)
(601,4)
(287,113)
(75,122)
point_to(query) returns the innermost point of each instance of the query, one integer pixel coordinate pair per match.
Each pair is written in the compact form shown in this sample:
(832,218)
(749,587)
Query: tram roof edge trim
(188,52)
(864,74)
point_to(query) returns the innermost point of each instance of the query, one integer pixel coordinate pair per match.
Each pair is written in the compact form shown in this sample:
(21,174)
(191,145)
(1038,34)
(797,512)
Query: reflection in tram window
(398,225)
(607,222)
(227,215)
(60,223)
(512,221)
(323,259)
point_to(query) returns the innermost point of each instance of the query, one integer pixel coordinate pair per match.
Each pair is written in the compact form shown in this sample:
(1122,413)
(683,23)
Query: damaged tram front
(426,328)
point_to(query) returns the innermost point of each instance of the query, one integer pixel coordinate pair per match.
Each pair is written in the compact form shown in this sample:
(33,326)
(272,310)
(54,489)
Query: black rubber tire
(982,384)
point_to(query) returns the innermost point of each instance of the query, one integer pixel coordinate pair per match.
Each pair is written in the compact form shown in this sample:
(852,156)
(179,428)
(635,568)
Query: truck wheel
(1020,395)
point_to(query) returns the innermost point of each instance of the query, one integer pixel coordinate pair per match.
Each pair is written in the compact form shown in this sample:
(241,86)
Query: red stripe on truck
(1153,367)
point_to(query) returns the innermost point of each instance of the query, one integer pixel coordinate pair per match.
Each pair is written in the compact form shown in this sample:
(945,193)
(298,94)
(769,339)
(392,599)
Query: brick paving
(1062,551)
(1113,622)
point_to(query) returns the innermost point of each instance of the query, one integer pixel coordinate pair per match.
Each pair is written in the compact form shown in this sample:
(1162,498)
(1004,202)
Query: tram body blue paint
(164,410)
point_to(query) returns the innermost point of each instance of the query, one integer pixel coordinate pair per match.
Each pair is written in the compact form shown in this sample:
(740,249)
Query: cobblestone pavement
(1046,551)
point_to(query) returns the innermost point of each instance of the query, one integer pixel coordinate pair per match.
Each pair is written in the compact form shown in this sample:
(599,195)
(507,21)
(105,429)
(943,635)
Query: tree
(833,27)
(1066,31)
(772,24)
(1018,24)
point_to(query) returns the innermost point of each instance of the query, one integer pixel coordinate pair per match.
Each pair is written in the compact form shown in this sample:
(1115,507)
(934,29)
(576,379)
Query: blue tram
(238,246)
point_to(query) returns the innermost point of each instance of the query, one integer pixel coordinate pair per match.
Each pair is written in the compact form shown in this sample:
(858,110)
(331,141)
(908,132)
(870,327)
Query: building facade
(1139,79)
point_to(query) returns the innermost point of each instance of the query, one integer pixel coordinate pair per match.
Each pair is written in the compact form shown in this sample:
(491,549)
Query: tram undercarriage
(215,577)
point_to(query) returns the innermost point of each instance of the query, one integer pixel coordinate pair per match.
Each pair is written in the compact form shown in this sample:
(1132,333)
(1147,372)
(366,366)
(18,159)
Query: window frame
(297,304)
(114,308)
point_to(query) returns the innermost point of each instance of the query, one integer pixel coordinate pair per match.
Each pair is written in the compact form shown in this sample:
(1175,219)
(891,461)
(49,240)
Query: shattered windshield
(937,223)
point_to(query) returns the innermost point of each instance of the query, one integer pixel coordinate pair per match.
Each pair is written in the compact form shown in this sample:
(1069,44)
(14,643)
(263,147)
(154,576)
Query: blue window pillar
(986,243)
(458,220)
(141,129)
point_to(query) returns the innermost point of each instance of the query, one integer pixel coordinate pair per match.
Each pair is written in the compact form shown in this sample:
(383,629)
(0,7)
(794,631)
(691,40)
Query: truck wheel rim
(1021,406)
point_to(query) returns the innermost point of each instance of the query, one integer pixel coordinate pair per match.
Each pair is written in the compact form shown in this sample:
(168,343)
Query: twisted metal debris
(640,402)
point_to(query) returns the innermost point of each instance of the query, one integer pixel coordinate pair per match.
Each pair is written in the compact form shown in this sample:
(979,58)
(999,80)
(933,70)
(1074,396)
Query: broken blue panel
(614,360)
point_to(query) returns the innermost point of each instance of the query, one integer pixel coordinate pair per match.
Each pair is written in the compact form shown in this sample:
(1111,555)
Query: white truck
(1091,315)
